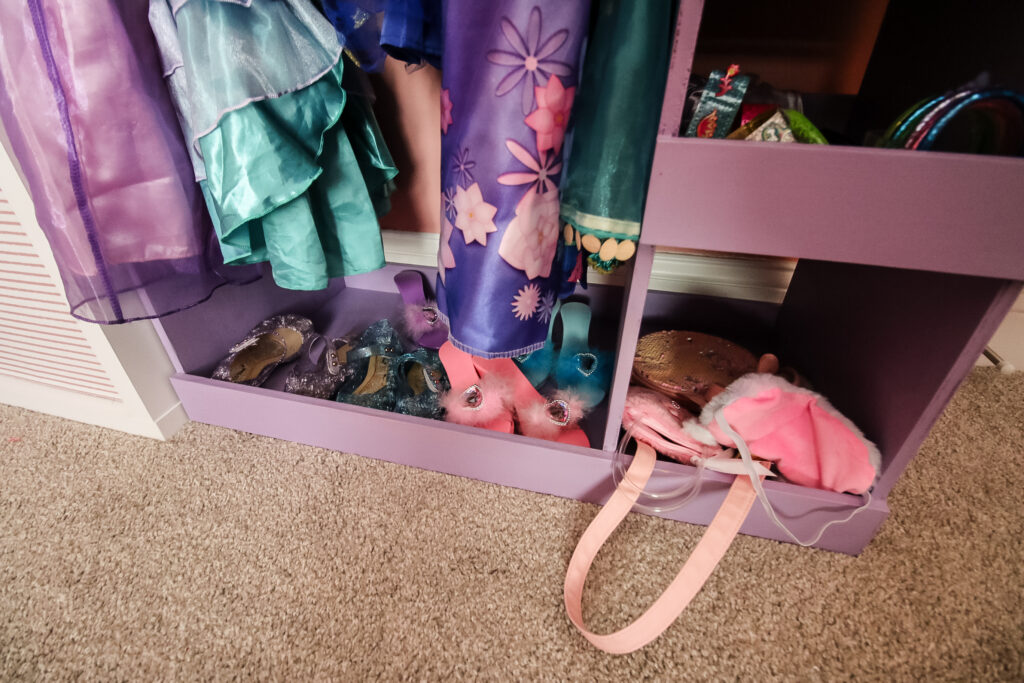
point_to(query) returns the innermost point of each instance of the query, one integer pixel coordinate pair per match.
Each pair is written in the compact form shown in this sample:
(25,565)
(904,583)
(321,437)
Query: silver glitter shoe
(274,341)
(322,367)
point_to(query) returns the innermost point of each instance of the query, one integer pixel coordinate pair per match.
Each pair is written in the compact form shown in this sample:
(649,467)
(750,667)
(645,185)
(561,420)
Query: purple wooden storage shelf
(197,339)
(509,460)
(908,262)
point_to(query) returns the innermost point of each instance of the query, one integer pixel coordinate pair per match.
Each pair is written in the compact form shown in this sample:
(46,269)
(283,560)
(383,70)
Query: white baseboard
(1008,341)
(411,248)
(171,421)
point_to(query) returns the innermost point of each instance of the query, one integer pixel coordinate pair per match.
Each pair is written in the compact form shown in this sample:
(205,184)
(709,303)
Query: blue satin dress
(370,30)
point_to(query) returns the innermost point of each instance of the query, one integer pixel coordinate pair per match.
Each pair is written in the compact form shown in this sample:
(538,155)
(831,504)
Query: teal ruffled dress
(290,159)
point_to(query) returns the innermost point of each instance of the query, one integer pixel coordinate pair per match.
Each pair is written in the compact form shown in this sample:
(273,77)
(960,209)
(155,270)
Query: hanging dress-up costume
(509,76)
(89,120)
(615,123)
(292,165)
(370,30)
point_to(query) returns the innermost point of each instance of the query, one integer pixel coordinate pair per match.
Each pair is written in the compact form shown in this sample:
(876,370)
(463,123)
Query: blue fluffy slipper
(585,371)
(536,366)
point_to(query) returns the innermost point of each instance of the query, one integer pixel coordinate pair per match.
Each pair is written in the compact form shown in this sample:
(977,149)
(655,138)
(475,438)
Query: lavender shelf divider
(629,330)
(952,213)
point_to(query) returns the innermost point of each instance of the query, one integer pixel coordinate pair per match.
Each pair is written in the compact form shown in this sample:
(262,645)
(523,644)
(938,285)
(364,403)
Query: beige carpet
(221,555)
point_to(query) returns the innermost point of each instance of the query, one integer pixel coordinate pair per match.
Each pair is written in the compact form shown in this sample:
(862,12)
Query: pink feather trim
(496,400)
(414,322)
(538,419)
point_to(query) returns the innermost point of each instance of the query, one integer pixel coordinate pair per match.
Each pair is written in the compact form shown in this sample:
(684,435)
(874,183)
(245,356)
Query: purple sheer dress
(510,70)
(83,102)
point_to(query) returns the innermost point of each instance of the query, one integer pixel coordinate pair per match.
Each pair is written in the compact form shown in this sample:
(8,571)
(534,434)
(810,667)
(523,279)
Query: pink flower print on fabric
(529,58)
(542,170)
(524,305)
(530,241)
(473,216)
(445,256)
(446,110)
(554,103)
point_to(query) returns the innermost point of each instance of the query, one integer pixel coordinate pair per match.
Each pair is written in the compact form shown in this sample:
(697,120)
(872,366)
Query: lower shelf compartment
(201,336)
(509,460)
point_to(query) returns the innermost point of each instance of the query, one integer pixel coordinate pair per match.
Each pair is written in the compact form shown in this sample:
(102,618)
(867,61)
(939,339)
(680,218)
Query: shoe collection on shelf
(906,262)
(404,364)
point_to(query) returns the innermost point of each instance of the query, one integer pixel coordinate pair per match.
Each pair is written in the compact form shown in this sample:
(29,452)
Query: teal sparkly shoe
(372,383)
(420,380)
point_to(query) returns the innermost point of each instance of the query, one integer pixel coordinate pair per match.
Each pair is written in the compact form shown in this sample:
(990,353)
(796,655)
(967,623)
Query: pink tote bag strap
(702,561)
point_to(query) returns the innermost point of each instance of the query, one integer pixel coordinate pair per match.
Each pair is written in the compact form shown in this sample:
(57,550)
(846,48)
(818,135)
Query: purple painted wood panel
(545,467)
(748,323)
(887,346)
(684,43)
(629,331)
(956,213)
(973,348)
(200,336)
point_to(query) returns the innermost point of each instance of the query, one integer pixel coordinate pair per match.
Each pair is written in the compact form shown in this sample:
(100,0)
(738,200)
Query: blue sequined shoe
(372,383)
(579,368)
(419,383)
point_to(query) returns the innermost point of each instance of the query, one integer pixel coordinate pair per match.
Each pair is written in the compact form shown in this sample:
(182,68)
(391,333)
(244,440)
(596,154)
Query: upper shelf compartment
(955,213)
(853,70)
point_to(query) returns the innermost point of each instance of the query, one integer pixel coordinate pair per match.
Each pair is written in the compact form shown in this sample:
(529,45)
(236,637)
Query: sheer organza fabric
(90,122)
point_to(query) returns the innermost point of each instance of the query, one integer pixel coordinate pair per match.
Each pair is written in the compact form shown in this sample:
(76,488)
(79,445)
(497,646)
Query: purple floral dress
(510,71)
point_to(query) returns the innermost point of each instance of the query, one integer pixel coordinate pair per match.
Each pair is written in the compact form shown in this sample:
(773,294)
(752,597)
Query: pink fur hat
(810,442)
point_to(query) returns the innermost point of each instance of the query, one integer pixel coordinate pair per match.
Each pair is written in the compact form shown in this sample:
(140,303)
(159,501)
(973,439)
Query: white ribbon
(755,479)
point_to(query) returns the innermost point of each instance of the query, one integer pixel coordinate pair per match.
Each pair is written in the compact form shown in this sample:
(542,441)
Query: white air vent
(53,363)
(39,341)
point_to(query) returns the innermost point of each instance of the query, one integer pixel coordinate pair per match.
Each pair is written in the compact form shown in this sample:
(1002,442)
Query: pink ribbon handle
(688,582)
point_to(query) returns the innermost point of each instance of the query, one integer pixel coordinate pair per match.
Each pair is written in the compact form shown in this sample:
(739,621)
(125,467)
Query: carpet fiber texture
(222,555)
